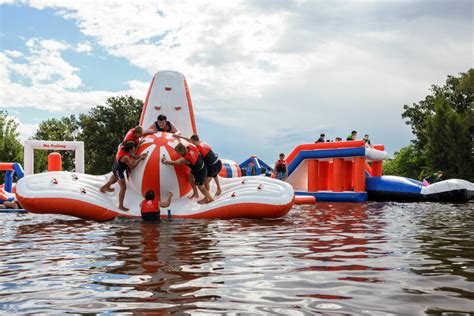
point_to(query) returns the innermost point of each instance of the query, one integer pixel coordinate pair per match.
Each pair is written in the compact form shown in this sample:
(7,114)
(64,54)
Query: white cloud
(266,68)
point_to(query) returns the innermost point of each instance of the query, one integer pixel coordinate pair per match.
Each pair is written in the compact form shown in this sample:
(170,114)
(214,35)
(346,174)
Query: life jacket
(129,137)
(195,158)
(281,165)
(209,156)
(168,128)
(150,206)
(121,153)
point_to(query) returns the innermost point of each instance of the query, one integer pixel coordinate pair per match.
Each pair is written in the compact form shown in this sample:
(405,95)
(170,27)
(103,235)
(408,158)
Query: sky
(264,76)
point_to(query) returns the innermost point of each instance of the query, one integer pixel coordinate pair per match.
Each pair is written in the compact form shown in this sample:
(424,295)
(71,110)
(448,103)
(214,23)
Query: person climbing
(123,160)
(352,136)
(150,208)
(191,157)
(211,159)
(133,134)
(281,169)
(162,125)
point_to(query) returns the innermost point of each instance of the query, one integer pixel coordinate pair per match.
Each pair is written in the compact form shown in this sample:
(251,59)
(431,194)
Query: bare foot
(205,201)
(218,192)
(103,190)
(194,196)
(123,208)
(109,189)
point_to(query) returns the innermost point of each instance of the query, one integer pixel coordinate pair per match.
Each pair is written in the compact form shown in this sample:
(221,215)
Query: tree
(442,124)
(11,149)
(64,129)
(407,162)
(103,128)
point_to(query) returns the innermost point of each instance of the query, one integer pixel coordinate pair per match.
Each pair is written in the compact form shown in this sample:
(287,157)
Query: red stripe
(146,103)
(190,105)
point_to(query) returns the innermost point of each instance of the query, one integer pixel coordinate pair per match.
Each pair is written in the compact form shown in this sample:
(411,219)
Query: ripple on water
(339,259)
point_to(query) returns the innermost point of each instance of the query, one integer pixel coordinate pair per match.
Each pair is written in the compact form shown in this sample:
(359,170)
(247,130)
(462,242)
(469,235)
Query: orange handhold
(177,108)
(157,107)
(54,162)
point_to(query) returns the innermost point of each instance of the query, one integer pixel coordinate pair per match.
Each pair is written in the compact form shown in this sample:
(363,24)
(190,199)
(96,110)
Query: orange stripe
(146,103)
(64,206)
(90,211)
(6,166)
(190,105)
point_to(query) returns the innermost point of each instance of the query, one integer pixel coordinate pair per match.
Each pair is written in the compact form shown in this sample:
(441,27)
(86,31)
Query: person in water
(212,161)
(352,136)
(123,160)
(321,139)
(281,168)
(150,208)
(191,157)
(162,125)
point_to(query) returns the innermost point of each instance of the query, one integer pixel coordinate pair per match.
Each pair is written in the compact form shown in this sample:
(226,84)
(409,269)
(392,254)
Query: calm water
(332,259)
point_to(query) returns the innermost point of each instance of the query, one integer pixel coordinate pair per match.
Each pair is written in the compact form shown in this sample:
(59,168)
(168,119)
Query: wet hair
(195,138)
(354,132)
(129,146)
(162,117)
(322,135)
(366,135)
(282,154)
(149,195)
(138,129)
(180,148)
(338,138)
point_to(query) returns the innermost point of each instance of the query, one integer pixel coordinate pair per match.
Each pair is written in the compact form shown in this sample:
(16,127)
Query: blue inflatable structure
(255,166)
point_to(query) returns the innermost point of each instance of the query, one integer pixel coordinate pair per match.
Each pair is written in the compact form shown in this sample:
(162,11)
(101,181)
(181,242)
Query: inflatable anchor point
(233,194)
(260,186)
(83,191)
(55,181)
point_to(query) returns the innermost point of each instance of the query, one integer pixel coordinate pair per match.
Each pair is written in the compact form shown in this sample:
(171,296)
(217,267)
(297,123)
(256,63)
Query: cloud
(276,69)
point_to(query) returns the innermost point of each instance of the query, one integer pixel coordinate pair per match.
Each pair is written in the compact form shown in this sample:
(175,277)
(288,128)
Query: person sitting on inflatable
(434,177)
(123,160)
(150,208)
(352,136)
(280,168)
(162,125)
(192,158)
(367,140)
(7,200)
(212,161)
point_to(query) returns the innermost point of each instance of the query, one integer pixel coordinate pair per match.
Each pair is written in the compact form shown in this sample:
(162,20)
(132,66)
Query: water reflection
(374,258)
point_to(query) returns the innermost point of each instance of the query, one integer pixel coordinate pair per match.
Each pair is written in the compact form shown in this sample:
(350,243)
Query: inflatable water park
(345,171)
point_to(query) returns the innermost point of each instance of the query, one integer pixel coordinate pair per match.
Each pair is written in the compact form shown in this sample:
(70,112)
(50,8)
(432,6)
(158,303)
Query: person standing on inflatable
(123,160)
(281,168)
(150,208)
(162,125)
(192,158)
(211,159)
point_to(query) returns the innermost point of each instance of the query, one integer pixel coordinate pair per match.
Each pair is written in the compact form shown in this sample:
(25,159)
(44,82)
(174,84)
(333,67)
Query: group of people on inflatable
(203,162)
(281,169)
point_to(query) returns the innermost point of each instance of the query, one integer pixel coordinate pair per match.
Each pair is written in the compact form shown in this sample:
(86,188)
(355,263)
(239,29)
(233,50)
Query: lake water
(331,259)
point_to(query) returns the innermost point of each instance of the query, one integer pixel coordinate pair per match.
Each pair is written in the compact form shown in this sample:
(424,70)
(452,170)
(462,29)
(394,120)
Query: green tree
(104,127)
(64,129)
(408,162)
(442,124)
(11,149)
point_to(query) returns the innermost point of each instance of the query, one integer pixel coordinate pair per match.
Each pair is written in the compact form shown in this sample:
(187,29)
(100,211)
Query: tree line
(443,126)
(101,129)
(442,123)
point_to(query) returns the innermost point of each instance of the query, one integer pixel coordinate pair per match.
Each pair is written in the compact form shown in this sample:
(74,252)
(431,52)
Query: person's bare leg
(207,196)
(9,204)
(195,194)
(106,187)
(219,190)
(2,207)
(123,188)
